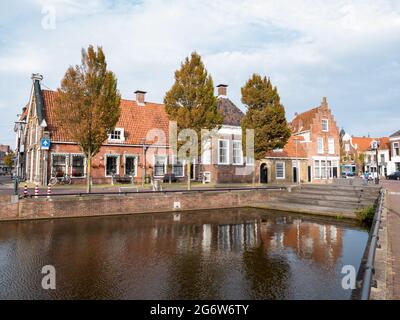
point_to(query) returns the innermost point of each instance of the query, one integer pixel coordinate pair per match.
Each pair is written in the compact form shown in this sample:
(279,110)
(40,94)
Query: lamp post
(375,147)
(296,141)
(144,149)
(19,129)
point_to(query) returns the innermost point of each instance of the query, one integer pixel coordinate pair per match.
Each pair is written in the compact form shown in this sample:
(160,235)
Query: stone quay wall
(13,208)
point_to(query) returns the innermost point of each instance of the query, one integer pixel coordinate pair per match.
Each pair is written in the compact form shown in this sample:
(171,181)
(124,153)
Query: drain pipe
(369,266)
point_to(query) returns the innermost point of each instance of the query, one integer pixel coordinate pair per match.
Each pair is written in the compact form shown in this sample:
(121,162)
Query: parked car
(394,176)
(349,175)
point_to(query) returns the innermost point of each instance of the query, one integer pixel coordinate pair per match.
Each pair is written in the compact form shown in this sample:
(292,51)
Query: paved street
(6,185)
(393,233)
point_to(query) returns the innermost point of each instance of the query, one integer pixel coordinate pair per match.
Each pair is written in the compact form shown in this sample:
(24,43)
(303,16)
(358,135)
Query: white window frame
(396,145)
(105,163)
(66,161)
(72,155)
(122,135)
(136,162)
(283,170)
(327,125)
(227,152)
(320,151)
(331,145)
(233,153)
(165,164)
(174,158)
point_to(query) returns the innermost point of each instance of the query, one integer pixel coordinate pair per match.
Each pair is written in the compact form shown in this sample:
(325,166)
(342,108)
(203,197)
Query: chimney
(296,114)
(140,97)
(222,90)
(36,77)
(324,103)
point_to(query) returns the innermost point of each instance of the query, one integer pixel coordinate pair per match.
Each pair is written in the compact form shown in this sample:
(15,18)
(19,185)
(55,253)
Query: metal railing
(369,269)
(165,191)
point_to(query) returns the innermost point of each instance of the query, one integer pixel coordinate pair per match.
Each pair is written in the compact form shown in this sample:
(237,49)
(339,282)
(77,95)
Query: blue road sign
(45,145)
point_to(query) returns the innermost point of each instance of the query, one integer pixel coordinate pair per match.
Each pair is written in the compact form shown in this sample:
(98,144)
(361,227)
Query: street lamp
(19,129)
(375,147)
(144,148)
(296,141)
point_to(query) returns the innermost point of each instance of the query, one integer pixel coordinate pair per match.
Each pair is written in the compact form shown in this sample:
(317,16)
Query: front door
(335,172)
(263,173)
(294,174)
(309,173)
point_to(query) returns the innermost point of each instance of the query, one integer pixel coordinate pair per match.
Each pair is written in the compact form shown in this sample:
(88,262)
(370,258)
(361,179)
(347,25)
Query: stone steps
(324,199)
(324,203)
(307,209)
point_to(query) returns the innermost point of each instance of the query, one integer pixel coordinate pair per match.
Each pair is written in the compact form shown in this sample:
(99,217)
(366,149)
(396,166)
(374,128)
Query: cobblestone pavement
(393,238)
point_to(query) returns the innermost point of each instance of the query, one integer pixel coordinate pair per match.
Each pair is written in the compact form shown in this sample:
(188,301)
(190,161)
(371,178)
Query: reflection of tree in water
(267,274)
(192,275)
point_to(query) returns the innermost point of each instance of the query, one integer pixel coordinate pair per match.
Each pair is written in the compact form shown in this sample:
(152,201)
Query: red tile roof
(136,120)
(289,150)
(364,143)
(302,121)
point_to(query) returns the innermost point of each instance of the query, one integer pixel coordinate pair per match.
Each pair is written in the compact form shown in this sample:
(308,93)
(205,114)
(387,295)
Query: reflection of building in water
(322,243)
(236,237)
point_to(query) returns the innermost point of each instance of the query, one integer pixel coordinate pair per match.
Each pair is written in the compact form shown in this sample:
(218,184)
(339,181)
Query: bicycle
(65,179)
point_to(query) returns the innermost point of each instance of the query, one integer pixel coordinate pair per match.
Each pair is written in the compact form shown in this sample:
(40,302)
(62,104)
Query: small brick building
(317,137)
(138,146)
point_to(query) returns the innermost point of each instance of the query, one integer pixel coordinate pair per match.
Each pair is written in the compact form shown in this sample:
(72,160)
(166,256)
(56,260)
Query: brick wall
(75,206)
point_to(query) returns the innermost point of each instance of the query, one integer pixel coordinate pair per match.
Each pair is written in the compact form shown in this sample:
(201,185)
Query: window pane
(78,166)
(223,151)
(316,170)
(280,170)
(59,165)
(111,165)
(159,166)
(130,166)
(237,152)
(320,146)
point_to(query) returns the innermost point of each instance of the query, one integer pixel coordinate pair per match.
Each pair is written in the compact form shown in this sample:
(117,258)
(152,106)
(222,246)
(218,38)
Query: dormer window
(325,125)
(117,135)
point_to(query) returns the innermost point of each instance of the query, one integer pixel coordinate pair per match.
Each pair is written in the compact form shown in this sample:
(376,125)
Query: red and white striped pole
(36,189)
(25,191)
(48,190)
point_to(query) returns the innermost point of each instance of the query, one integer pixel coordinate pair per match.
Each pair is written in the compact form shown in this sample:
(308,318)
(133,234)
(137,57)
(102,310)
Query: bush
(366,215)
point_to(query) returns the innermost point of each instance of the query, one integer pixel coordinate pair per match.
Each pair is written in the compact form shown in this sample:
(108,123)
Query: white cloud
(309,48)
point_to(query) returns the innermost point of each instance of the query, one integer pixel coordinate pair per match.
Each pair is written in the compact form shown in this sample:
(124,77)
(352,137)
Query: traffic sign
(45,145)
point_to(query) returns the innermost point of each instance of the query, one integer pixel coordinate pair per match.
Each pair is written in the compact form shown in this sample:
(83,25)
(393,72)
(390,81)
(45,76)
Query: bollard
(48,190)
(36,189)
(25,191)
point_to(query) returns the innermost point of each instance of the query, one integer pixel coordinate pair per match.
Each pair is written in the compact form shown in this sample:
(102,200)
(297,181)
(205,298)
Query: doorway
(309,173)
(263,173)
(294,174)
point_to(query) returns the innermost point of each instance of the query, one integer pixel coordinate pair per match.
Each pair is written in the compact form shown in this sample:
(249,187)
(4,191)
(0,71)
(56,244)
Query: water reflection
(230,254)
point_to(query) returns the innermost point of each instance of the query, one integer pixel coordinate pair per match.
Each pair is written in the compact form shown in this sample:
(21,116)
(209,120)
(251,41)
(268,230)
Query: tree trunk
(88,174)
(188,174)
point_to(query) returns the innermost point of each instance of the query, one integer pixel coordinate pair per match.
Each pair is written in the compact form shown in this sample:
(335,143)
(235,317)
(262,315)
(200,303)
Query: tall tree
(88,104)
(265,114)
(191,101)
(9,159)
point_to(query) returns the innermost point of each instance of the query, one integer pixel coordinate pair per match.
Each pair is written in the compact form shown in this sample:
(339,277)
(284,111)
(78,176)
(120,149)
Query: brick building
(317,136)
(137,147)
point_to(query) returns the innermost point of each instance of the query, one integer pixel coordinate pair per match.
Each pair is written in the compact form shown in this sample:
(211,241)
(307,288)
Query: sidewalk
(393,239)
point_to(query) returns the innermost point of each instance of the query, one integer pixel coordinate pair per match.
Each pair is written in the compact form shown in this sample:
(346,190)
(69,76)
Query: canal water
(223,254)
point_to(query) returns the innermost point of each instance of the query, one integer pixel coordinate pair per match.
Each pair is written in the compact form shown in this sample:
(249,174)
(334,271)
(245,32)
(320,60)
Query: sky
(348,51)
